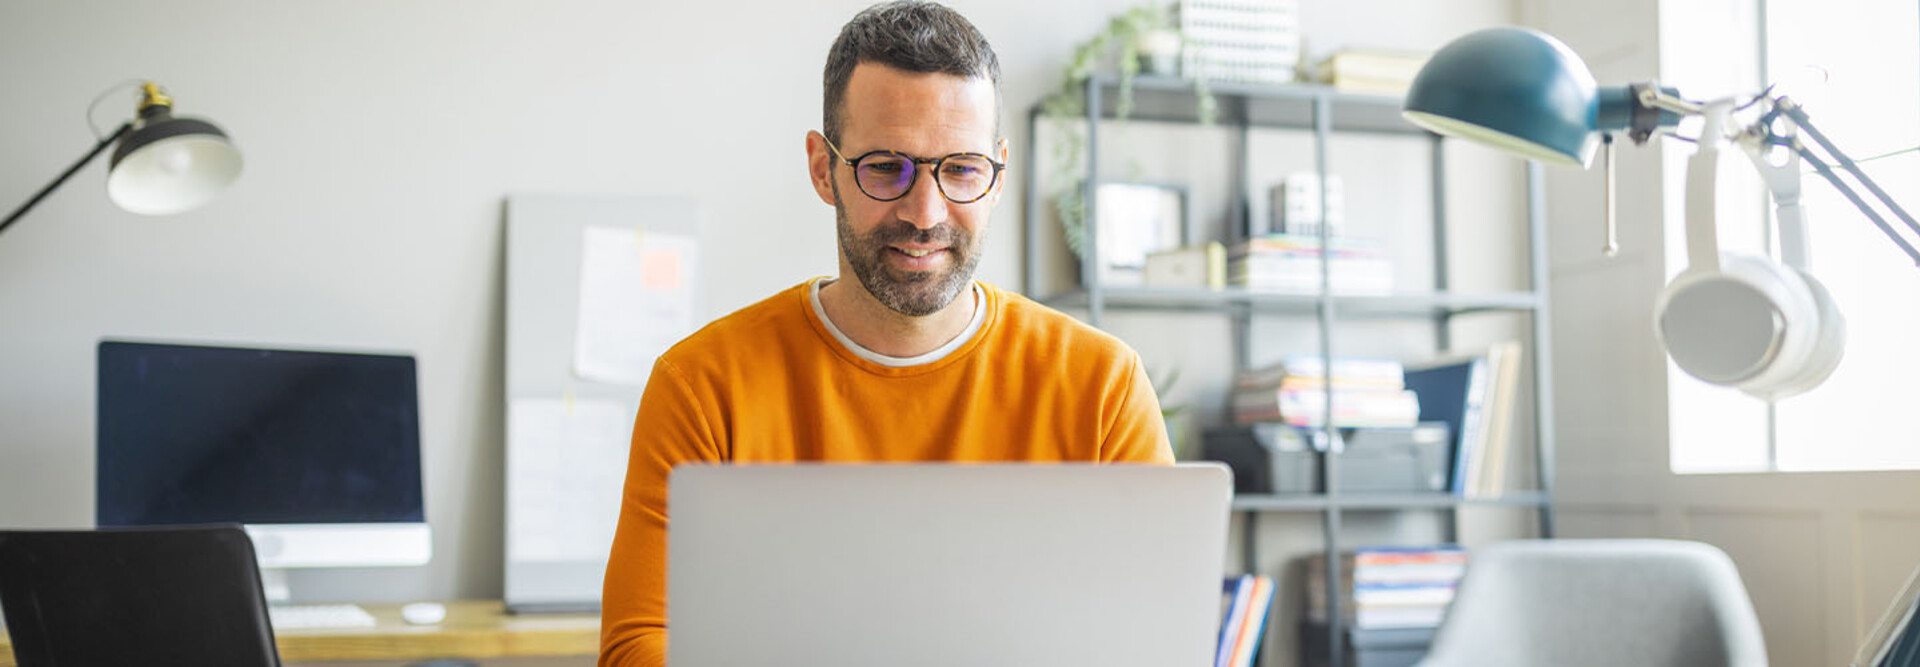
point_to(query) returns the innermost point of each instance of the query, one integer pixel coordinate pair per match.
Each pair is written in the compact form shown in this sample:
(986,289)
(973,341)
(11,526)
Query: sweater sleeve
(1136,433)
(670,429)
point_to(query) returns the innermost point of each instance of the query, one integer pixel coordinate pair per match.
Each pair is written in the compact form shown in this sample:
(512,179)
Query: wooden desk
(473,629)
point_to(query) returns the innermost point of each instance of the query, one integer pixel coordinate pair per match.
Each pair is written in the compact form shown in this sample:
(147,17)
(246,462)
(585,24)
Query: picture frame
(1136,220)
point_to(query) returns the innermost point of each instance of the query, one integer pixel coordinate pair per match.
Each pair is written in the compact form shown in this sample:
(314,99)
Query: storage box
(1396,647)
(1256,41)
(1280,459)
(1193,267)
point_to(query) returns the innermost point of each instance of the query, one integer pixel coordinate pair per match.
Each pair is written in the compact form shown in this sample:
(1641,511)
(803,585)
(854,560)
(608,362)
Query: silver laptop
(1005,565)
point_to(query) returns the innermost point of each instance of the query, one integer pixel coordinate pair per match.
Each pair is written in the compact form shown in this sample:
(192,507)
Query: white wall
(380,139)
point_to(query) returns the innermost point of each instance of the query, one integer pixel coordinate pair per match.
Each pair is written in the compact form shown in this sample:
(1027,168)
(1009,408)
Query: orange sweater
(770,384)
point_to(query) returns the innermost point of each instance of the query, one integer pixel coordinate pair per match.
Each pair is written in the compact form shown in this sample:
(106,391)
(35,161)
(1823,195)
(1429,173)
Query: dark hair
(911,35)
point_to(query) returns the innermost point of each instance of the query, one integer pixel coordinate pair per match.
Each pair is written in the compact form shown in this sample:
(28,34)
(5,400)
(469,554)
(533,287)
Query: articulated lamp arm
(163,165)
(1792,110)
(1763,130)
(125,128)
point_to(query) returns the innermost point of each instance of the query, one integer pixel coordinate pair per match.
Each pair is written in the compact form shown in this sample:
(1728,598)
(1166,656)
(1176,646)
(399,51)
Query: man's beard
(911,293)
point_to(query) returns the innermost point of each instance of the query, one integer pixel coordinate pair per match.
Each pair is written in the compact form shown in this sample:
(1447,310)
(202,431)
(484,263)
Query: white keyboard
(319,616)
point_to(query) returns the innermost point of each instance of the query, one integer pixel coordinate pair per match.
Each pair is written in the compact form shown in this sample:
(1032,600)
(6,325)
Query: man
(904,357)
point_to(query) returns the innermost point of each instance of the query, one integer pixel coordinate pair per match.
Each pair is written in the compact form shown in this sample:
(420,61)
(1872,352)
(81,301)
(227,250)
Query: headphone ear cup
(1828,346)
(1750,325)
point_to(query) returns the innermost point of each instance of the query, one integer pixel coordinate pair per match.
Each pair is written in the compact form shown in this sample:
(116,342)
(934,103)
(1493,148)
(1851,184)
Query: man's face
(917,253)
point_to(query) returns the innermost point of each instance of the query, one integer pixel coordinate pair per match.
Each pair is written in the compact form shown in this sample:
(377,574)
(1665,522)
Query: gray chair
(1600,603)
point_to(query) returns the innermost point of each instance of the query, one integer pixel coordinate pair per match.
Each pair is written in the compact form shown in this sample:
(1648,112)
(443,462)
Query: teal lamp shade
(1515,89)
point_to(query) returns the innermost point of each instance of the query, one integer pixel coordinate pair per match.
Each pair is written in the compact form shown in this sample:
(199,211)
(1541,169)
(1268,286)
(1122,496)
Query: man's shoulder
(1040,329)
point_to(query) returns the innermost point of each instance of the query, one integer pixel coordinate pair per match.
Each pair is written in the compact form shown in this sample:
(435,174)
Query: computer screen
(283,438)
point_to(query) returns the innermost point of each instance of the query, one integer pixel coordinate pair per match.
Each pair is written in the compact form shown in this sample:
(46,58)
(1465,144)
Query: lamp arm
(1652,96)
(1799,116)
(42,194)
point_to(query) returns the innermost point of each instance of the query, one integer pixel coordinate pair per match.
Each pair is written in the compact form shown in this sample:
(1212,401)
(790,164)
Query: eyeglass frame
(998,167)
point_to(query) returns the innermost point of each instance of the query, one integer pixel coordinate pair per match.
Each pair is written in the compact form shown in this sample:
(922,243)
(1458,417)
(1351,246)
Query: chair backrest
(1579,603)
(134,596)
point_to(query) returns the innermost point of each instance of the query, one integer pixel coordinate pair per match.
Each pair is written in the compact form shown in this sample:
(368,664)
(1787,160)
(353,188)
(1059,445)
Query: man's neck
(886,331)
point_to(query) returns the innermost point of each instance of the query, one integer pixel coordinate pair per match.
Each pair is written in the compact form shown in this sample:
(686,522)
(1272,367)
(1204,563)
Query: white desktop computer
(316,454)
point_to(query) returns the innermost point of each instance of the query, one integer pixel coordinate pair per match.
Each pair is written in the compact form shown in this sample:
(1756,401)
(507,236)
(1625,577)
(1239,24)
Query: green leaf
(1119,39)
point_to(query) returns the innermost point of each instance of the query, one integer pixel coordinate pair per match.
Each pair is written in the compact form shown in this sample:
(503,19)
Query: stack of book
(1367,393)
(1244,621)
(1291,263)
(1389,587)
(1475,397)
(1256,41)
(1296,206)
(1371,72)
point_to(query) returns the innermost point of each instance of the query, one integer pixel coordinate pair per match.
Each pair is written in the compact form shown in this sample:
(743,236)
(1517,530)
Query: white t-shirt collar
(973,327)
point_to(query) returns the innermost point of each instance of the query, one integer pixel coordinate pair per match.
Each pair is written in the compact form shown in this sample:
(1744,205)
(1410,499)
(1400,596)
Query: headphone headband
(1703,247)
(1783,181)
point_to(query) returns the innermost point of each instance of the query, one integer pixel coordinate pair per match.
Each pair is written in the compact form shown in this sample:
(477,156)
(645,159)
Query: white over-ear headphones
(1768,329)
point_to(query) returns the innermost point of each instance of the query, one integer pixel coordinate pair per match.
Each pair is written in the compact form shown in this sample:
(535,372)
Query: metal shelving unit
(1376,501)
(1325,112)
(1262,302)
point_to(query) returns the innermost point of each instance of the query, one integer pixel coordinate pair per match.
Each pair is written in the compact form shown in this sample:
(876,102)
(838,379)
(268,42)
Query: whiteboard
(594,285)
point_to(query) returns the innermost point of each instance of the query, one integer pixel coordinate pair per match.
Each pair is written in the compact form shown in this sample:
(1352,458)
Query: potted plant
(1140,34)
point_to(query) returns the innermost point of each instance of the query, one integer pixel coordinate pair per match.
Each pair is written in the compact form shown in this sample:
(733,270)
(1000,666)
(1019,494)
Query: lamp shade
(170,164)
(1515,89)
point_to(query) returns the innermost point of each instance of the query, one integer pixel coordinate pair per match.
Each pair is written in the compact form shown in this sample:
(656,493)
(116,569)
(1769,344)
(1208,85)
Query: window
(1857,72)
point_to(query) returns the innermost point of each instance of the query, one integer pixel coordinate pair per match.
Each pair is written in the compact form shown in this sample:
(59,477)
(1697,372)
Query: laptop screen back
(946,564)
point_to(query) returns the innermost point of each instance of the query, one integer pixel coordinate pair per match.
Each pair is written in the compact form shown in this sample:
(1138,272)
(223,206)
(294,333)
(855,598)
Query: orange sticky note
(660,269)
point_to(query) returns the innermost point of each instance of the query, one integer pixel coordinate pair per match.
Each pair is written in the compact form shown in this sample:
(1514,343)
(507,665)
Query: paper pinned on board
(636,300)
(566,471)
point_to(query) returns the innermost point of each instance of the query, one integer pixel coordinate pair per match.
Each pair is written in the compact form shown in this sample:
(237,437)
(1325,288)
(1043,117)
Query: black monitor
(297,445)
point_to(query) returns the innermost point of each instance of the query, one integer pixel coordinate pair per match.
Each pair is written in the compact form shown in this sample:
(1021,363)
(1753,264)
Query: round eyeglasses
(963,178)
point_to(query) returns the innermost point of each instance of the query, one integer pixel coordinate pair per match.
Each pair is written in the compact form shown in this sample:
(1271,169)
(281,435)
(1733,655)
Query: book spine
(1254,622)
(1467,459)
(1242,589)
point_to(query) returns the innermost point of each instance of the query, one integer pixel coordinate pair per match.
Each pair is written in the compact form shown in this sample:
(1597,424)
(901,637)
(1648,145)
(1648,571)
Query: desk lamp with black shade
(1766,328)
(163,164)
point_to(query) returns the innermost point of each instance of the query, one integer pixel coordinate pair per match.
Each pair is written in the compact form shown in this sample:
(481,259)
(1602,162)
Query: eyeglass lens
(962,178)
